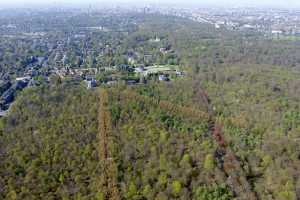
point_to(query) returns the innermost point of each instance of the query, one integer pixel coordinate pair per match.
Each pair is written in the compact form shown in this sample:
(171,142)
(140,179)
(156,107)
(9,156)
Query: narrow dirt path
(184,111)
(108,180)
(226,159)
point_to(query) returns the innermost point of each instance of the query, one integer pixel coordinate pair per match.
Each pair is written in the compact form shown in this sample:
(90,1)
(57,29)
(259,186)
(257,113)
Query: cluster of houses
(140,75)
(9,90)
(161,71)
(67,71)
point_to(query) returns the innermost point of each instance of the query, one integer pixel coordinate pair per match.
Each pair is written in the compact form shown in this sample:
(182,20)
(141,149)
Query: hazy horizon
(222,3)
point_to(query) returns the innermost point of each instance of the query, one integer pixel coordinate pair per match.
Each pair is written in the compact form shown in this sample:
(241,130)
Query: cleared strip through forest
(227,160)
(184,111)
(108,180)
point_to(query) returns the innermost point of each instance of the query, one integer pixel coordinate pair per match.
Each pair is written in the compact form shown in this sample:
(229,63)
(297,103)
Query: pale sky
(265,3)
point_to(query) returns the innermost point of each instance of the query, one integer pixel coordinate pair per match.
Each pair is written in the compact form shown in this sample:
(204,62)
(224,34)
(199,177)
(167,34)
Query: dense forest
(229,129)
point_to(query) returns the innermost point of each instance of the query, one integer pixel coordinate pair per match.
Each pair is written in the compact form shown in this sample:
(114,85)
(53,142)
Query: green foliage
(132,191)
(291,119)
(115,113)
(176,188)
(288,192)
(161,152)
(162,179)
(266,160)
(209,162)
(219,192)
(163,160)
(12,195)
(51,144)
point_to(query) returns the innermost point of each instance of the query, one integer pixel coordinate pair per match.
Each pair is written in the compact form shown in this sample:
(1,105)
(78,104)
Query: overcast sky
(265,3)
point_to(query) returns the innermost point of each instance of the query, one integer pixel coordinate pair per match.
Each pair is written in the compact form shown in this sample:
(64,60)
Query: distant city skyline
(222,3)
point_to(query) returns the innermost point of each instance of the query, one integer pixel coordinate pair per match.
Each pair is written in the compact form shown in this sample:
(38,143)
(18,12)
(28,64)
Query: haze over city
(221,3)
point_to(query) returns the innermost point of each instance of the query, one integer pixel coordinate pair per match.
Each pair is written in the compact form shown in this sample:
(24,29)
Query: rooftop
(3,113)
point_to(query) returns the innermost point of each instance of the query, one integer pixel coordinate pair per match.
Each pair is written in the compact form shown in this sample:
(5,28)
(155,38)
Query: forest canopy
(225,128)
